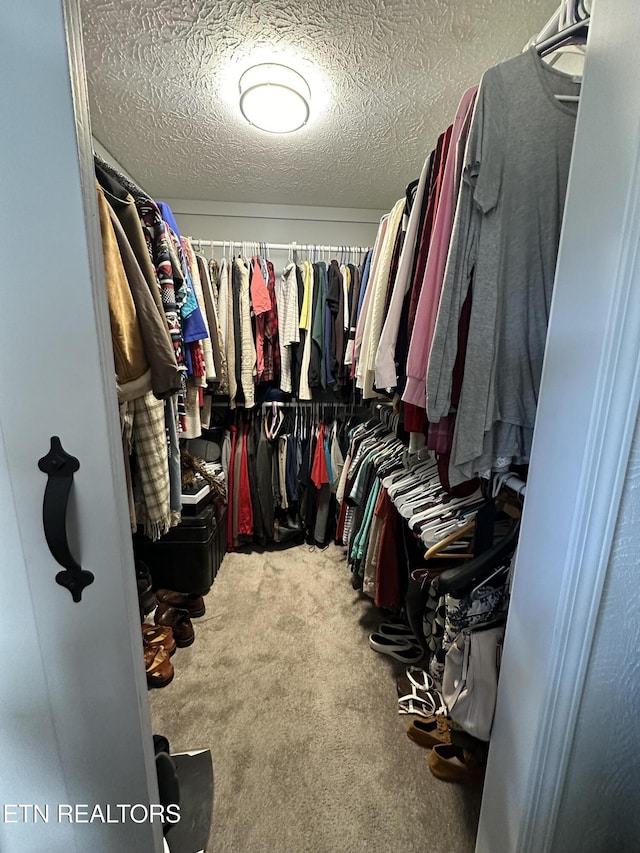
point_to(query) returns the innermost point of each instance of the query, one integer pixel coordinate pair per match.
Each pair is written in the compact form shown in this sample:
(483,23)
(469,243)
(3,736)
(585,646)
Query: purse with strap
(470,681)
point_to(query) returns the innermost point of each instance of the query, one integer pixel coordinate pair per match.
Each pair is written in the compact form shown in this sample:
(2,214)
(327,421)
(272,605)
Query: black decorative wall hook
(60,467)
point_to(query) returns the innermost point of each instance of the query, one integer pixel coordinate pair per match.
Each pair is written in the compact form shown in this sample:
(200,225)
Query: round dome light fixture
(274,98)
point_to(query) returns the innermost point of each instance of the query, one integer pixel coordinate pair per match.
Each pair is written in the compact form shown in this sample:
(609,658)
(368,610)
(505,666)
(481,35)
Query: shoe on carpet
(400,632)
(158,667)
(402,650)
(145,590)
(430,731)
(420,677)
(193,603)
(178,619)
(450,763)
(155,636)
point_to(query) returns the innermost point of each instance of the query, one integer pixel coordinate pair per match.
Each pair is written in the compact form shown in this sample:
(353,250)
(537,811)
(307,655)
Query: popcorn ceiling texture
(385,75)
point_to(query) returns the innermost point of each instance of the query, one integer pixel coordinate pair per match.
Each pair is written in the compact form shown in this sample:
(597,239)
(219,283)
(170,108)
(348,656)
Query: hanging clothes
(429,300)
(217,344)
(245,344)
(223,301)
(288,323)
(267,334)
(510,252)
(386,374)
(261,304)
(375,314)
(318,365)
(207,349)
(306,331)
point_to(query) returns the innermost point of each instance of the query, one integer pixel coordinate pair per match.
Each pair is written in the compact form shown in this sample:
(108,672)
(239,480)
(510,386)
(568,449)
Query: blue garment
(365,281)
(191,303)
(327,455)
(193,327)
(169,218)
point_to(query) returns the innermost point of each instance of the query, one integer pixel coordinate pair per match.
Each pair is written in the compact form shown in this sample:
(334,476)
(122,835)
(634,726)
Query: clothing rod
(279,247)
(293,404)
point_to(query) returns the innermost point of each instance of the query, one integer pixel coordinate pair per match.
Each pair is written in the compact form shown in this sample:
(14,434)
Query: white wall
(266,223)
(276,223)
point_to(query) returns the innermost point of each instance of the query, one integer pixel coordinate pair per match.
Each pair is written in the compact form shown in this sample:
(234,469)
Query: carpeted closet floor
(310,754)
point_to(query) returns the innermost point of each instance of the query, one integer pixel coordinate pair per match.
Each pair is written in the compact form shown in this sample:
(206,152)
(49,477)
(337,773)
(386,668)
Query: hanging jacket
(132,368)
(166,379)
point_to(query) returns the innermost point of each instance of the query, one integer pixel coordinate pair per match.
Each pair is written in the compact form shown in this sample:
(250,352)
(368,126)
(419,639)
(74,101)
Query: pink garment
(427,311)
(261,303)
(260,299)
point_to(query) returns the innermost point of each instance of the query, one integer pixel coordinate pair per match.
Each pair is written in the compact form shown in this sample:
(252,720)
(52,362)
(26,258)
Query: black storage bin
(187,559)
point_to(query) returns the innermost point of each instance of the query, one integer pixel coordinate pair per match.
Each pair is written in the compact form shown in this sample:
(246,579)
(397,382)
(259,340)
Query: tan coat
(131,365)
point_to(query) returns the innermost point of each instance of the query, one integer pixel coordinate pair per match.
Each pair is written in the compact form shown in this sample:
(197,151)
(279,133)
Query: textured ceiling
(385,75)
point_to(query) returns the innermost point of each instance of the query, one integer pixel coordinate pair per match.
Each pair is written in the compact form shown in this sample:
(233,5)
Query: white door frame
(587,411)
(74,717)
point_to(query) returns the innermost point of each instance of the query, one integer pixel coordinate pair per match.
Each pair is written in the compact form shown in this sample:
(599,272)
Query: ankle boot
(172,617)
(194,604)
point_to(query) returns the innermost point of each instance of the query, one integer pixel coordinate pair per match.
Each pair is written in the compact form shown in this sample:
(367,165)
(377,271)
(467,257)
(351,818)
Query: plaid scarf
(150,444)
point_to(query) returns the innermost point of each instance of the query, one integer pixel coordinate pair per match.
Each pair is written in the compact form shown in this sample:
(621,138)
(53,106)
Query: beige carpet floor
(310,754)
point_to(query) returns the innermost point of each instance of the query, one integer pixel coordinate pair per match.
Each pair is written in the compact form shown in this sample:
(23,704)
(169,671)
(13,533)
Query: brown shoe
(449,763)
(173,617)
(193,603)
(430,731)
(158,667)
(155,636)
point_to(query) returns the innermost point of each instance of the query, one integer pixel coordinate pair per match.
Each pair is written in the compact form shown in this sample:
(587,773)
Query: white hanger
(493,575)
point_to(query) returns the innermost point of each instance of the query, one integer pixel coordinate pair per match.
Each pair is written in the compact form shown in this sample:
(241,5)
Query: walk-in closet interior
(333,364)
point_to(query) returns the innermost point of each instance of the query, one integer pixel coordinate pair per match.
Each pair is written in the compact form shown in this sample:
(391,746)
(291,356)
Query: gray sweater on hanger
(504,244)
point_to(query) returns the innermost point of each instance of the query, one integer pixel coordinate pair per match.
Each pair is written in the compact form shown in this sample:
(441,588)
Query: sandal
(158,636)
(420,678)
(416,700)
(158,667)
(421,704)
(404,651)
(400,632)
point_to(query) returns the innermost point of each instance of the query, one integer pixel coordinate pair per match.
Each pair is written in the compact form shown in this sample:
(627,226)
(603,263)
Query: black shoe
(145,590)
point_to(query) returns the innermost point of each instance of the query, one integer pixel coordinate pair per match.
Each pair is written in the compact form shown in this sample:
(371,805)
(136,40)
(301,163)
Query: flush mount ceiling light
(274,98)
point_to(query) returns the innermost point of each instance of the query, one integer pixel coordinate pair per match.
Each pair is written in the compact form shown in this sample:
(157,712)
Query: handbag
(470,681)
